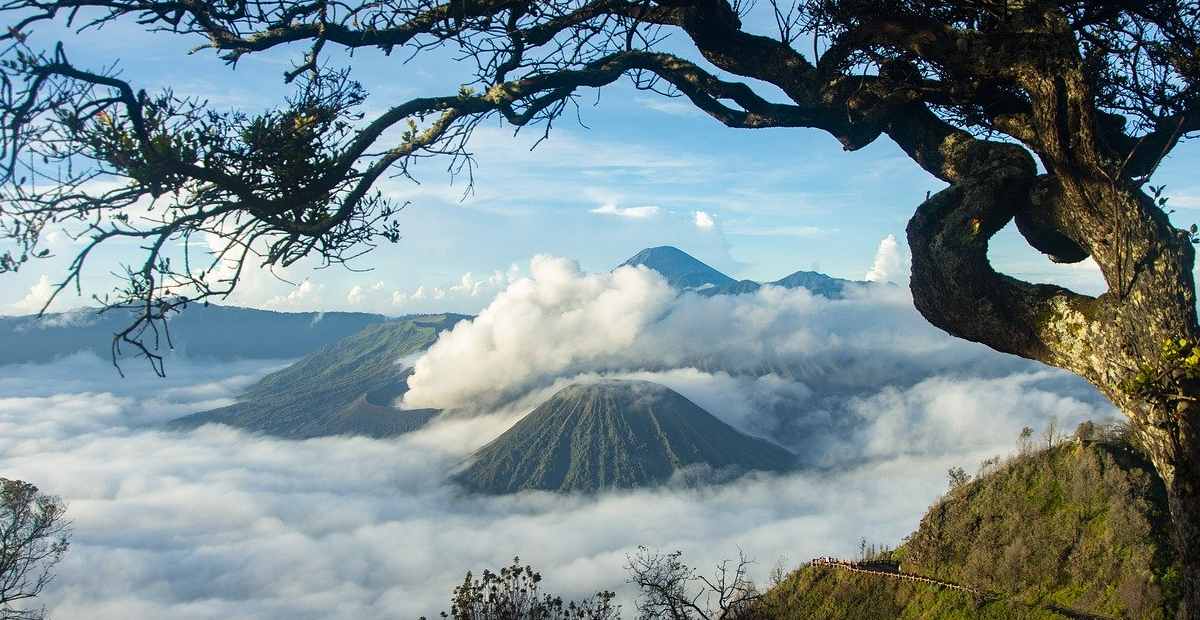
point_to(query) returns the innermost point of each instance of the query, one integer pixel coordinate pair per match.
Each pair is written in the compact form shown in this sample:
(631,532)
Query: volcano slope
(346,388)
(615,434)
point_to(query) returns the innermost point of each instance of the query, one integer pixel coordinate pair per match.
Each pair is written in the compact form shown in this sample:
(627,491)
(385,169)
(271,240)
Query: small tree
(513,594)
(1051,435)
(1086,431)
(987,465)
(671,589)
(958,477)
(33,538)
(1024,440)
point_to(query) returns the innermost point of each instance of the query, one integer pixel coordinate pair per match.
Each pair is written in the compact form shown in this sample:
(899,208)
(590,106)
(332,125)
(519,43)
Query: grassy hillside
(1075,531)
(613,434)
(345,388)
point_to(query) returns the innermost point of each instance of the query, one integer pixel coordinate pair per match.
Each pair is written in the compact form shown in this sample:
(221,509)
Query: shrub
(513,594)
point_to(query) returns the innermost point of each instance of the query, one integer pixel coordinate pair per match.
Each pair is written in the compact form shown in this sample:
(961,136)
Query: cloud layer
(560,322)
(217,523)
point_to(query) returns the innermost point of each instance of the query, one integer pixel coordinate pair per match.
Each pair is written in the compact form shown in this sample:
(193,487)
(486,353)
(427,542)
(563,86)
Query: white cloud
(468,294)
(560,322)
(633,213)
(890,264)
(37,297)
(359,294)
(704,221)
(215,523)
(672,106)
(1187,199)
(304,296)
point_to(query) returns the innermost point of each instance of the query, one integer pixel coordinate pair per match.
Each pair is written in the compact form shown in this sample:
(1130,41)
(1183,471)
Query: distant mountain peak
(686,272)
(682,270)
(817,283)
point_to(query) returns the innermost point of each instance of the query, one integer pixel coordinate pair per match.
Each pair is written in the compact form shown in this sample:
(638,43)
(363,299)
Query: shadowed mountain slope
(611,435)
(346,388)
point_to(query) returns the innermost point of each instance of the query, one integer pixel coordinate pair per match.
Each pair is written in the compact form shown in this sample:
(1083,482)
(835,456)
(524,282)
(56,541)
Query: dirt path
(892,571)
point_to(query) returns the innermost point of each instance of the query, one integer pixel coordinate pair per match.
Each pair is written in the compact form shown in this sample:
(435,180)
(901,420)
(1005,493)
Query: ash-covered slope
(346,388)
(611,435)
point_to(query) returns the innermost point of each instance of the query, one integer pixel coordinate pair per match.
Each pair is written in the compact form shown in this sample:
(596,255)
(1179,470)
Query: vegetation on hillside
(1075,529)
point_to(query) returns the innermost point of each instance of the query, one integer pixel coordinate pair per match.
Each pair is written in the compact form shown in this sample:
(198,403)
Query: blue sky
(646,170)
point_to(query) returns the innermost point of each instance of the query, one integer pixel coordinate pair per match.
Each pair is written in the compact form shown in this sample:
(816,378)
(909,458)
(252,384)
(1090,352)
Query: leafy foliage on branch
(33,538)
(1166,376)
(514,594)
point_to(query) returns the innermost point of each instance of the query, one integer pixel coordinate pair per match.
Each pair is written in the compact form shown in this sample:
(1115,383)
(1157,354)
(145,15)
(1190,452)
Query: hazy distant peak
(682,270)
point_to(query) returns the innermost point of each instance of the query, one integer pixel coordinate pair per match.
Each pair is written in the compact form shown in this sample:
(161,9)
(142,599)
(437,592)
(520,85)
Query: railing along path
(892,571)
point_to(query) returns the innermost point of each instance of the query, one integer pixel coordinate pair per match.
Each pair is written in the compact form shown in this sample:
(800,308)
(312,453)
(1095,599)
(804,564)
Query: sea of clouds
(820,376)
(218,523)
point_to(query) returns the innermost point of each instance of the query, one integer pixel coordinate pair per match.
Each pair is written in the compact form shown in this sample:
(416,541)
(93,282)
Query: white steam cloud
(560,322)
(890,265)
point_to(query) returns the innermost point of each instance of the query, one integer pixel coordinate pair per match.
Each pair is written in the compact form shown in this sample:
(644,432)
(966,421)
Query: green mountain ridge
(614,434)
(1075,531)
(345,388)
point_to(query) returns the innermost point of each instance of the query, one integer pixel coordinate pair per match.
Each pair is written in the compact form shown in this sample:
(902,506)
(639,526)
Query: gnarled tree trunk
(1133,342)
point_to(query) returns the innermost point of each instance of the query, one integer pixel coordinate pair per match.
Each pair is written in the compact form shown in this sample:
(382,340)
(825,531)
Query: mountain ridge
(345,388)
(682,270)
(207,332)
(686,272)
